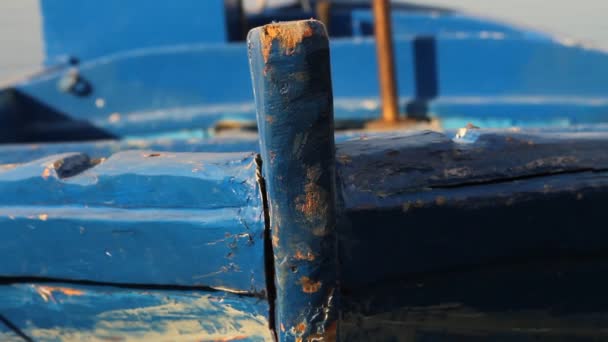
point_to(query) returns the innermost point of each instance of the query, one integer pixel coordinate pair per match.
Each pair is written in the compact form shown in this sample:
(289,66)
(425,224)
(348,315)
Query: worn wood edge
(416,164)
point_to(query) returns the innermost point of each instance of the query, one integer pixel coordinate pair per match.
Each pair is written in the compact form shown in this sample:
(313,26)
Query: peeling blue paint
(68,312)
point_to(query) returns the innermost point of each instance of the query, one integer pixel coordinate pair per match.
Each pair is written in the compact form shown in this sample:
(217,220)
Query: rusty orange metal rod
(386,61)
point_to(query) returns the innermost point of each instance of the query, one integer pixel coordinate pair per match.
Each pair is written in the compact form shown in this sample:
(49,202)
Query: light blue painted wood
(479,78)
(23,153)
(138,217)
(53,312)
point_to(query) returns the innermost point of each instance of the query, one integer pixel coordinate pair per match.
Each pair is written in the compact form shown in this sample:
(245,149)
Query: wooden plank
(190,219)
(438,205)
(68,312)
(381,170)
(500,238)
(552,300)
(292,86)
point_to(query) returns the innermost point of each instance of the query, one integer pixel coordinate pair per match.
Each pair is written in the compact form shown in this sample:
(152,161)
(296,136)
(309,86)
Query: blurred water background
(21,48)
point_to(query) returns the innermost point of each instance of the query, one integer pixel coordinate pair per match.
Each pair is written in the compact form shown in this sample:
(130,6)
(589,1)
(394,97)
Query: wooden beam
(293,92)
(139,217)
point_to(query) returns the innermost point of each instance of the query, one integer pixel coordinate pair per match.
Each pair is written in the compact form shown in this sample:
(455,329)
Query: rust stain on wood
(300,255)
(313,204)
(440,200)
(300,328)
(309,285)
(289,36)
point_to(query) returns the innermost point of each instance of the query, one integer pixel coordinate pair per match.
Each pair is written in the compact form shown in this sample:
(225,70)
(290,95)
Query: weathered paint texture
(292,86)
(501,239)
(138,217)
(68,312)
(497,198)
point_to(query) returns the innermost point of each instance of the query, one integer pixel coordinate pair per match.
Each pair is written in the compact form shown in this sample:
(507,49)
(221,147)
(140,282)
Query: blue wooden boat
(148,194)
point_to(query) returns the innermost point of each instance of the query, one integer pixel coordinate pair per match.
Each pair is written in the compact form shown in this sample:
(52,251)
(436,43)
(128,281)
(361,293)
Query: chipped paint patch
(457,172)
(314,203)
(301,255)
(309,285)
(289,35)
(46,292)
(300,328)
(114,118)
(8,166)
(46,173)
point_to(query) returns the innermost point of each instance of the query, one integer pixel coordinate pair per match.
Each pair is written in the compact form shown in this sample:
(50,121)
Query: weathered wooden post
(292,84)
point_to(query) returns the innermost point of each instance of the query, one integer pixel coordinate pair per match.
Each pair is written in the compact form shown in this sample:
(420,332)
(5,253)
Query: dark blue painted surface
(493,239)
(137,217)
(291,79)
(550,300)
(69,312)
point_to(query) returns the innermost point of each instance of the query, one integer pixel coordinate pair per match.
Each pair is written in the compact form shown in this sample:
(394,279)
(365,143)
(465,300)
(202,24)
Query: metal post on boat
(290,70)
(323,12)
(386,61)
